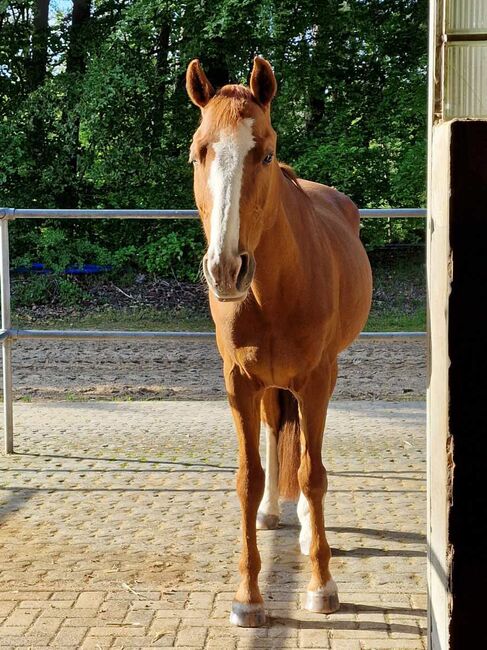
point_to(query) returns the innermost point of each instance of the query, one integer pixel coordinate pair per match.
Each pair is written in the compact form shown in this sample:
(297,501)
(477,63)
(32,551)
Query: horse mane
(289,173)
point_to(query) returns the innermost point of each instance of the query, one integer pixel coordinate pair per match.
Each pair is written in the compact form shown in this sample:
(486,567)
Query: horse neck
(279,259)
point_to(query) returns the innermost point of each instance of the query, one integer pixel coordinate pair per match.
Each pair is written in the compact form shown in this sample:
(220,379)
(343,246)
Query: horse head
(235,173)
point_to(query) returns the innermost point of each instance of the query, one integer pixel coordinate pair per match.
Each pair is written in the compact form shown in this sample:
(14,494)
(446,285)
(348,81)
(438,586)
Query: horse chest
(273,357)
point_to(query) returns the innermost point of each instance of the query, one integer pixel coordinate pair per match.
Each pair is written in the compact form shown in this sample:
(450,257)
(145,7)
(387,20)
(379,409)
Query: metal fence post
(7,341)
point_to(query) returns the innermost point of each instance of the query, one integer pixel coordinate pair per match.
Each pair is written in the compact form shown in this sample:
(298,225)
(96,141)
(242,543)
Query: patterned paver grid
(119,529)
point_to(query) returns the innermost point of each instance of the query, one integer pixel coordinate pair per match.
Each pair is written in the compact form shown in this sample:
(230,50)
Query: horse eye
(268,159)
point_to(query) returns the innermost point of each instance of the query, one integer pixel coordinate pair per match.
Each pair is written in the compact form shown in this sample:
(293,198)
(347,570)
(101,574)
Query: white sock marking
(270,501)
(304,517)
(304,520)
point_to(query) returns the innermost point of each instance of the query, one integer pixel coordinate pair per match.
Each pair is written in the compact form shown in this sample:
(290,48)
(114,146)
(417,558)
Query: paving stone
(11,631)
(114,630)
(314,638)
(221,644)
(345,644)
(21,617)
(69,636)
(96,644)
(391,644)
(89,600)
(6,607)
(276,644)
(45,626)
(191,637)
(133,642)
(120,528)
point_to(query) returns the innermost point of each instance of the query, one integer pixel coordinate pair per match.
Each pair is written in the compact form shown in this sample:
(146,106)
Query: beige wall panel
(466,80)
(466,16)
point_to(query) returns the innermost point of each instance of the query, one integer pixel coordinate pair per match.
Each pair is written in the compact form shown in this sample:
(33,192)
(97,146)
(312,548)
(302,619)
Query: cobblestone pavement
(119,529)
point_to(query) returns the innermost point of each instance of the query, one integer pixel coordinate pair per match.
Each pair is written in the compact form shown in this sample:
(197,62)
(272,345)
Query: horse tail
(289,448)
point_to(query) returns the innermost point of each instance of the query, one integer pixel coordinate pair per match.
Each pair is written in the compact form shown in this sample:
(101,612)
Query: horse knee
(251,480)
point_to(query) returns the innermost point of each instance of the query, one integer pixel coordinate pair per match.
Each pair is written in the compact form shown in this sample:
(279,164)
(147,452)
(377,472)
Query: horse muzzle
(229,277)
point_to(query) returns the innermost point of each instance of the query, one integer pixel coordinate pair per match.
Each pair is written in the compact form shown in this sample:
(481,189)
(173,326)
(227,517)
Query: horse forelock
(231,104)
(236,91)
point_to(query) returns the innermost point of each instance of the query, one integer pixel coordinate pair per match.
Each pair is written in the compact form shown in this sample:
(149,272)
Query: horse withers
(290,287)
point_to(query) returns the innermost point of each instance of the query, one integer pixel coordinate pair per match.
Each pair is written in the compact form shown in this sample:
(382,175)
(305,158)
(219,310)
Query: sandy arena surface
(188,370)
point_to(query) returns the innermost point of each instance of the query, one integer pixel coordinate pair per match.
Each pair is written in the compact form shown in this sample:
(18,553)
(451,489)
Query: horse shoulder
(331,204)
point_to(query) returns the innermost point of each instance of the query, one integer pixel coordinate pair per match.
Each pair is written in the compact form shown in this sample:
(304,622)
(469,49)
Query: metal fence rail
(8,335)
(21,213)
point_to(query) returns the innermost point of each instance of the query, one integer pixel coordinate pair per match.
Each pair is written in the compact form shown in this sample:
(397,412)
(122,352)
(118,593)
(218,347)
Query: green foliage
(178,250)
(113,128)
(399,301)
(41,289)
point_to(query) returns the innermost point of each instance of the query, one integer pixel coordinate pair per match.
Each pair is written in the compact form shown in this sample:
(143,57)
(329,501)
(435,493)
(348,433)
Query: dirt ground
(188,370)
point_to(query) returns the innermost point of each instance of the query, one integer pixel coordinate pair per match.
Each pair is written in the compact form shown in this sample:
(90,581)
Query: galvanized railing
(8,335)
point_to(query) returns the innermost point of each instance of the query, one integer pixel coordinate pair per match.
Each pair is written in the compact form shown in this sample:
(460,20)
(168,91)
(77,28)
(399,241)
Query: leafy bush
(41,289)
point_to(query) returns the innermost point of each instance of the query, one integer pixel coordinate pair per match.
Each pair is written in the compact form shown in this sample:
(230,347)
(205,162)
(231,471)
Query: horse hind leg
(268,513)
(304,517)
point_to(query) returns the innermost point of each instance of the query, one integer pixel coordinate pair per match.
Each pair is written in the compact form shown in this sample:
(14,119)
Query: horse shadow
(282,582)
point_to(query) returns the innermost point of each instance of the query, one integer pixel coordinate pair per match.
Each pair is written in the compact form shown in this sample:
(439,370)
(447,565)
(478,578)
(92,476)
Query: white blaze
(225,182)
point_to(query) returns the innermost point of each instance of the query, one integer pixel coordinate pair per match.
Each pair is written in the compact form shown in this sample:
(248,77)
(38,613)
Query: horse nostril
(209,273)
(244,267)
(246,271)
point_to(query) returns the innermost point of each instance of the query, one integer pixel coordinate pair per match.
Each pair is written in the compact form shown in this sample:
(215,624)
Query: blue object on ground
(86,269)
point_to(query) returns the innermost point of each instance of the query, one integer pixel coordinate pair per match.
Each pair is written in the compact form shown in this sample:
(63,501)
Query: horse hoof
(248,614)
(324,600)
(267,522)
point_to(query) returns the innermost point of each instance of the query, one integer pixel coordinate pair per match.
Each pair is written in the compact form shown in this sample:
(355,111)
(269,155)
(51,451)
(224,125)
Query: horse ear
(199,89)
(262,81)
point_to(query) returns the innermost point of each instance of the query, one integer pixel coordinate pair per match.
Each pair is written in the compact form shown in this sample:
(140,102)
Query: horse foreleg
(313,401)
(247,608)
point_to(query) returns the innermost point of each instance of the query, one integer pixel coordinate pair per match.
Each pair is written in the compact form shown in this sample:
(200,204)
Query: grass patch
(145,319)
(151,320)
(396,321)
(399,298)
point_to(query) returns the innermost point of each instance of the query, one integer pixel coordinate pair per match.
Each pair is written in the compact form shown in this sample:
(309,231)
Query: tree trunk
(160,90)
(76,57)
(37,65)
(75,66)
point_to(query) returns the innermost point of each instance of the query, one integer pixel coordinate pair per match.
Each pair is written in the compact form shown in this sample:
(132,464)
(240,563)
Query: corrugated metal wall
(465,59)
(466,16)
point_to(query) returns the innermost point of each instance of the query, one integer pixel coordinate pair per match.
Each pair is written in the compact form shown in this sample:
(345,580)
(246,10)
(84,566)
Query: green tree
(93,110)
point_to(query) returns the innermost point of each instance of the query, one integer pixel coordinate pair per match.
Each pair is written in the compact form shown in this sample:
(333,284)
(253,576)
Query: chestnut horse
(290,287)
